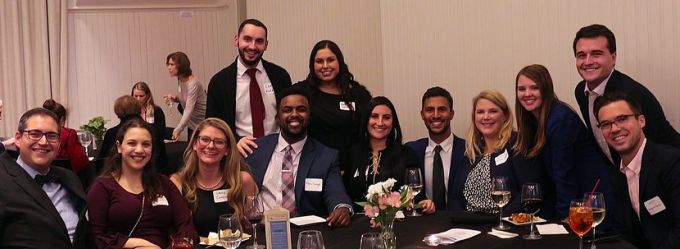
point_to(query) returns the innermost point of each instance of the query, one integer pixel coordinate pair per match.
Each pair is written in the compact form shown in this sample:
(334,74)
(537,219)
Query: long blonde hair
(475,141)
(230,166)
(148,105)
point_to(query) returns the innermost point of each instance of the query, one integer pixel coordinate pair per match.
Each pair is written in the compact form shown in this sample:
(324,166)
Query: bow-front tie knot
(50,177)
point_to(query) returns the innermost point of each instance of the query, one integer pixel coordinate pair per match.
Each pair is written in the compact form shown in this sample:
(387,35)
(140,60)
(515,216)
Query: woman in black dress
(338,99)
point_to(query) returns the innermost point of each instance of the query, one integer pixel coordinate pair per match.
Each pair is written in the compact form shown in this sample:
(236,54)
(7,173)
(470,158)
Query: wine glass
(414,182)
(580,218)
(85,139)
(500,193)
(252,207)
(169,102)
(230,231)
(182,242)
(596,202)
(370,241)
(531,200)
(310,239)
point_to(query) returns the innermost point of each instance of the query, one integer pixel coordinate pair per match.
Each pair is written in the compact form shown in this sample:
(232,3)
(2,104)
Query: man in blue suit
(441,148)
(647,178)
(297,172)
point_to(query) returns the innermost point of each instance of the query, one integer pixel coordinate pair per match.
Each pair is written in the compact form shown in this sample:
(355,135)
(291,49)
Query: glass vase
(389,240)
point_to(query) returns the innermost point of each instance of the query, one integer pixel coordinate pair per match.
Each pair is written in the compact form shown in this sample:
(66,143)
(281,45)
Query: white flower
(380,188)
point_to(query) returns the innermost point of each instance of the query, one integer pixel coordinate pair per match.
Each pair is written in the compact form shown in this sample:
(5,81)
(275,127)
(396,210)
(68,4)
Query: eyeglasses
(36,135)
(619,121)
(218,143)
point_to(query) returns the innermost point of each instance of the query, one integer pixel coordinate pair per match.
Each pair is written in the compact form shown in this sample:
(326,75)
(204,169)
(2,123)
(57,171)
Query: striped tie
(288,181)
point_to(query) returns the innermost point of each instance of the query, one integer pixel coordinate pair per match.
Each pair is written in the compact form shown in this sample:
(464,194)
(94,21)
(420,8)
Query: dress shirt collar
(599,90)
(241,69)
(31,172)
(297,146)
(447,144)
(636,163)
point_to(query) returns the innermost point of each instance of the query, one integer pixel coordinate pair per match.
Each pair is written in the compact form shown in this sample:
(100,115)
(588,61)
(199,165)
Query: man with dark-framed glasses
(40,206)
(647,179)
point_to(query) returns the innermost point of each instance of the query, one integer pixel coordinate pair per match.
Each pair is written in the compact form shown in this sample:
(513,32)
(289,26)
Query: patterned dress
(477,189)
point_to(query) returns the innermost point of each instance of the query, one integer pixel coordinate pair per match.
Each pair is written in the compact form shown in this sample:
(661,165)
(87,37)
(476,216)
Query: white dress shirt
(244,119)
(61,198)
(271,184)
(447,146)
(632,172)
(592,95)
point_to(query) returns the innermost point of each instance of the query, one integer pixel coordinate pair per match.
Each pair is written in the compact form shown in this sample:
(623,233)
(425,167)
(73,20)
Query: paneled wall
(111,50)
(400,48)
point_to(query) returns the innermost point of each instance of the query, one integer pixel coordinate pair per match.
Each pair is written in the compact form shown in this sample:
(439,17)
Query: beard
(247,62)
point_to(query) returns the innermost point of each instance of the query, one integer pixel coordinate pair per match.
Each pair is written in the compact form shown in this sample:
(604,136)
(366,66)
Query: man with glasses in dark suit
(40,206)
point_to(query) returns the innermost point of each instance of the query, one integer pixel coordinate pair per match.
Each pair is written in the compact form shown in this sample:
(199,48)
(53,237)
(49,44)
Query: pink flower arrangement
(382,205)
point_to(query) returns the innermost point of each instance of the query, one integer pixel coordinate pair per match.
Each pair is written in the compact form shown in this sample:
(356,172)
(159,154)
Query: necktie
(438,186)
(256,104)
(50,177)
(287,181)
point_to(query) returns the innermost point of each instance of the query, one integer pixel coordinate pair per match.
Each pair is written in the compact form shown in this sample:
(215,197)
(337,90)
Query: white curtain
(32,57)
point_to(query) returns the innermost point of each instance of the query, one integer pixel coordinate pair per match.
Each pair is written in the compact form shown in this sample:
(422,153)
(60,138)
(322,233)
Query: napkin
(465,217)
(552,228)
(456,234)
(502,234)
(307,220)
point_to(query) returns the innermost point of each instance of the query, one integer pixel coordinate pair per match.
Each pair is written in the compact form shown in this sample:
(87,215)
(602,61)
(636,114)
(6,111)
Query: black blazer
(457,158)
(659,177)
(222,91)
(657,129)
(28,219)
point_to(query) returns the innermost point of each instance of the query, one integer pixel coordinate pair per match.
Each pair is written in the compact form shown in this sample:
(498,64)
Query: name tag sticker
(502,158)
(313,184)
(268,88)
(161,201)
(345,107)
(655,205)
(220,195)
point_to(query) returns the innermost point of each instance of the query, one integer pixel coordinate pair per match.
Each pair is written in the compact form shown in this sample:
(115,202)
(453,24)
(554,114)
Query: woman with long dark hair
(380,154)
(130,204)
(338,99)
(212,164)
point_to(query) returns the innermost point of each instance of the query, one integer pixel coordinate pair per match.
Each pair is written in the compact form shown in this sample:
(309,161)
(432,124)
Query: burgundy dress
(113,212)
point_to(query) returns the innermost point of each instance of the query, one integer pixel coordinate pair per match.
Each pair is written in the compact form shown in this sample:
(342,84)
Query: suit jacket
(28,219)
(222,91)
(659,177)
(316,161)
(574,161)
(658,129)
(457,157)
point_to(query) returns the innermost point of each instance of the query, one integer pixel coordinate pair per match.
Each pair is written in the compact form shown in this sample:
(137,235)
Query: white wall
(111,50)
(397,48)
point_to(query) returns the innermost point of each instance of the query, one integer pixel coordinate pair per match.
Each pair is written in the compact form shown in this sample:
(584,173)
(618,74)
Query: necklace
(210,188)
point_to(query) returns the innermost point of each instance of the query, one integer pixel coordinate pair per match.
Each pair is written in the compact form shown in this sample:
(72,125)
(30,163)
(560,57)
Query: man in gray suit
(297,172)
(40,206)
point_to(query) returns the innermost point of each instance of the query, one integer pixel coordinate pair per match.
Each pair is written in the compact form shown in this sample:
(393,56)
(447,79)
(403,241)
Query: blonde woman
(213,180)
(489,153)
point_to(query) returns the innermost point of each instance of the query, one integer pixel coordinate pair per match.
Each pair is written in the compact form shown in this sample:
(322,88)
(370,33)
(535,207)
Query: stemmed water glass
(370,241)
(230,231)
(414,182)
(169,102)
(500,193)
(596,202)
(253,210)
(85,139)
(311,239)
(580,218)
(531,200)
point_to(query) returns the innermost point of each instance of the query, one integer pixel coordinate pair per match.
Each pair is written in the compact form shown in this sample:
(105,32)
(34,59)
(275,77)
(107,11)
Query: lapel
(73,187)
(267,148)
(646,169)
(614,82)
(24,181)
(306,158)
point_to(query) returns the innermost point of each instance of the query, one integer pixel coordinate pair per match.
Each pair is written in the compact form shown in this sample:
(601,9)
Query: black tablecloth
(411,231)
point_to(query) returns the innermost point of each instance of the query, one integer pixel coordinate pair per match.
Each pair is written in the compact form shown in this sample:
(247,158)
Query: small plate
(245,237)
(536,220)
(307,220)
